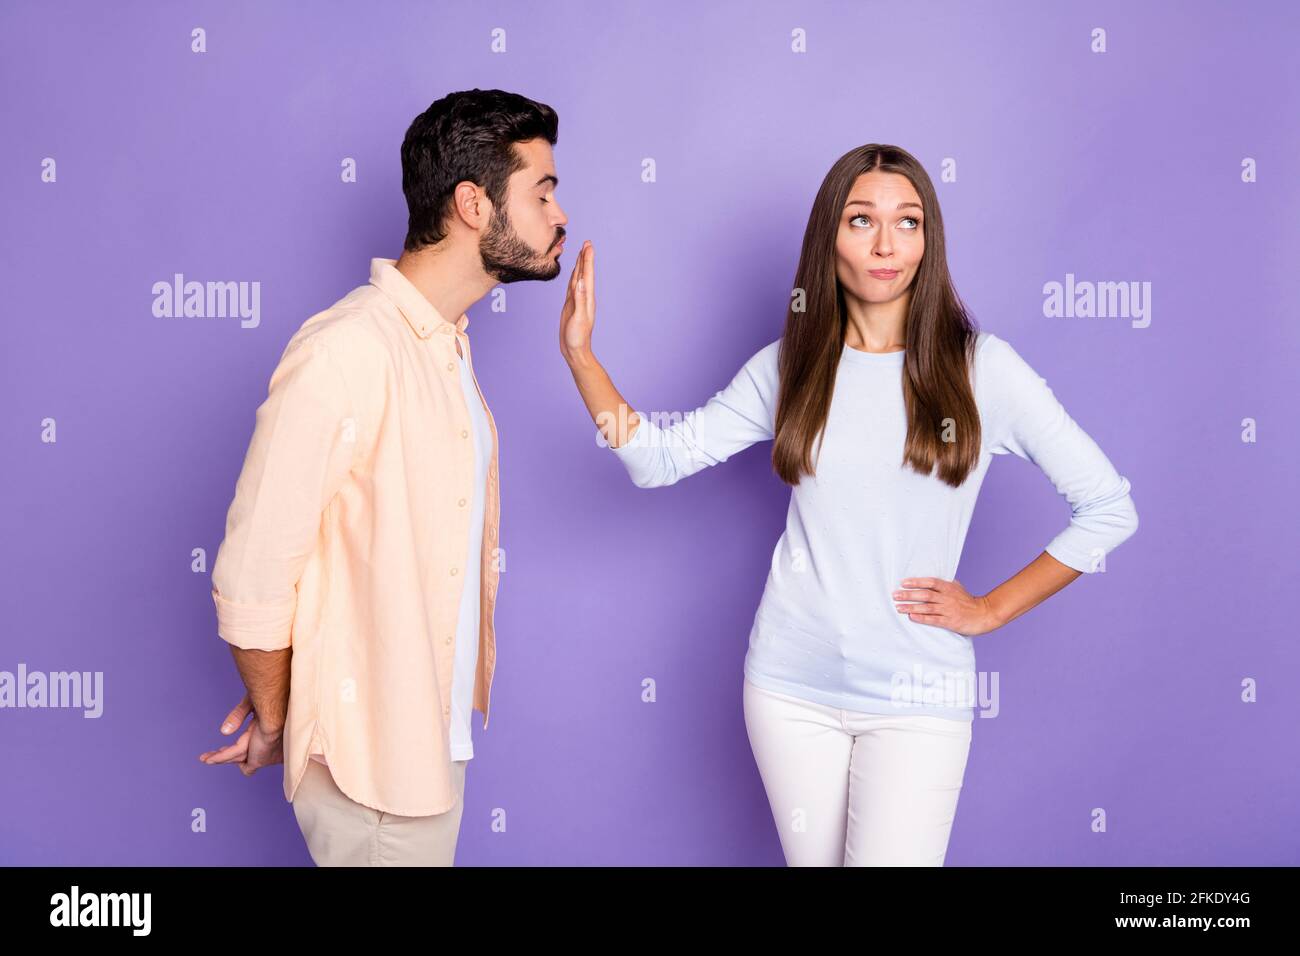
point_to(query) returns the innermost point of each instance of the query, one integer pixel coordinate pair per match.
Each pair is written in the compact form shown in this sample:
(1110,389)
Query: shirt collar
(418,311)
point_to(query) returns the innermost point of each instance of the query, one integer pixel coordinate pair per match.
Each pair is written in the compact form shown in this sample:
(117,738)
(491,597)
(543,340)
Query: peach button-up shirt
(347,539)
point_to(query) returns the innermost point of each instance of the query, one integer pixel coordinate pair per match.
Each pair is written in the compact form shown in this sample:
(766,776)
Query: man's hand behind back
(255,748)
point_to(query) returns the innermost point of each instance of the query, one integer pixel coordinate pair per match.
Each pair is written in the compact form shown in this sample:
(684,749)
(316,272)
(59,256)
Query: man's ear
(471,205)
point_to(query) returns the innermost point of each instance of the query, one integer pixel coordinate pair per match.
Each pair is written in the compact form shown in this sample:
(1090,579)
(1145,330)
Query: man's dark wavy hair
(467,135)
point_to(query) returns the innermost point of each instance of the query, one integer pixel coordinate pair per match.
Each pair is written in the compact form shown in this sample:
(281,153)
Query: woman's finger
(921,609)
(576,273)
(935,619)
(589,275)
(936,584)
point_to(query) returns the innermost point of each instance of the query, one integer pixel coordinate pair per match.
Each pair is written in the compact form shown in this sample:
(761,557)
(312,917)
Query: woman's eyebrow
(867,202)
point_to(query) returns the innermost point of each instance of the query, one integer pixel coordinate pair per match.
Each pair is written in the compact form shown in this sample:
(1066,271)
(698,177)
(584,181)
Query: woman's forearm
(616,421)
(1029,587)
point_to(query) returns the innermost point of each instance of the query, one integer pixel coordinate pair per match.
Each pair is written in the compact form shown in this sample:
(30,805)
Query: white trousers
(855,789)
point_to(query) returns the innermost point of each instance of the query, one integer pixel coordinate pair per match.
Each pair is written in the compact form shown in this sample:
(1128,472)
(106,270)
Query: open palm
(579,313)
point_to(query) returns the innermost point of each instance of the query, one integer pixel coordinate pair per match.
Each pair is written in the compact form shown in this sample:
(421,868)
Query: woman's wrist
(992,607)
(581,359)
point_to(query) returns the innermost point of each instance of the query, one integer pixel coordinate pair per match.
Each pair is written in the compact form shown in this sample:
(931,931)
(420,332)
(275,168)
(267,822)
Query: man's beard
(507,258)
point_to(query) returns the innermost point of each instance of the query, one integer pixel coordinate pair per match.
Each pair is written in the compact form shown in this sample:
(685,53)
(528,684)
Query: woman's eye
(916,223)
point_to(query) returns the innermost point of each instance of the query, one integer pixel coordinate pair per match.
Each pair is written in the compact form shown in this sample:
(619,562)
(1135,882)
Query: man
(358,577)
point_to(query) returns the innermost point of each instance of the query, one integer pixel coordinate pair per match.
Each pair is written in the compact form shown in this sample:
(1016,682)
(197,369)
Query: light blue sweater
(826,629)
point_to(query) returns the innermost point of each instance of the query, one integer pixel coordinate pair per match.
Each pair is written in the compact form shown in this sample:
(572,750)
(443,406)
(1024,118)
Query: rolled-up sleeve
(736,417)
(1031,423)
(301,451)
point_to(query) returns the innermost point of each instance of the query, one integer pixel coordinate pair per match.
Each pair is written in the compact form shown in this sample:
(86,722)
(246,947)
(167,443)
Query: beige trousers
(341,832)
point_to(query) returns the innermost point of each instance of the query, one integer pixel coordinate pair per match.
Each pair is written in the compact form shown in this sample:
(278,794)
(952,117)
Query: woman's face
(880,241)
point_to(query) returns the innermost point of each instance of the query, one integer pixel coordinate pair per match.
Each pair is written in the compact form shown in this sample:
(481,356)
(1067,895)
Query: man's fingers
(236,717)
(236,751)
(231,752)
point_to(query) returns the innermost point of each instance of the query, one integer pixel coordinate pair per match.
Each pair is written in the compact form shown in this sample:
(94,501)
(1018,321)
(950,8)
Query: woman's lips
(883,273)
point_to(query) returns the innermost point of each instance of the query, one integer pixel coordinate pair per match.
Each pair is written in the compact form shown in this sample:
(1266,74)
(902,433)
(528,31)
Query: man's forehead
(539,162)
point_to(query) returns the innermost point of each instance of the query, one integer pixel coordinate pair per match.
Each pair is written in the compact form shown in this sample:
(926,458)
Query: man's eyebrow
(553,180)
(867,202)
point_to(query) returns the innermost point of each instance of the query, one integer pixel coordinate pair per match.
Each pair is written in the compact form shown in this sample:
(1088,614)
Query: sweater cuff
(640,438)
(1086,562)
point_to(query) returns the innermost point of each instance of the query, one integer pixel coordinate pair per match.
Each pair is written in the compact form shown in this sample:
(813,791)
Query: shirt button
(448,640)
(451,366)
(461,502)
(464,433)
(454,571)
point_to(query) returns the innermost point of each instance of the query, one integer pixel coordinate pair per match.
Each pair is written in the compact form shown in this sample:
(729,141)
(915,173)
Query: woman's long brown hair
(943,424)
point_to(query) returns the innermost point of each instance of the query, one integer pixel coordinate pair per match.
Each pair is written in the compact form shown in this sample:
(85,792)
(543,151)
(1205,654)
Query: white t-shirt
(826,629)
(466,650)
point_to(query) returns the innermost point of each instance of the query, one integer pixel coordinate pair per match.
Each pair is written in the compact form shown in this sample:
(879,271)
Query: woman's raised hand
(579,312)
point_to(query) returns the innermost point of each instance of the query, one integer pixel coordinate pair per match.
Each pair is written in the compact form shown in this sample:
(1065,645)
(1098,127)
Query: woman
(860,674)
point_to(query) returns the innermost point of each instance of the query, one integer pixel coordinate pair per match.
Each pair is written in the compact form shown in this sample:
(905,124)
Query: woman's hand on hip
(946,604)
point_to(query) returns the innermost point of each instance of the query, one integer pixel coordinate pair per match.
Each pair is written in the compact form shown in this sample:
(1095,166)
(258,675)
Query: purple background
(1122,692)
